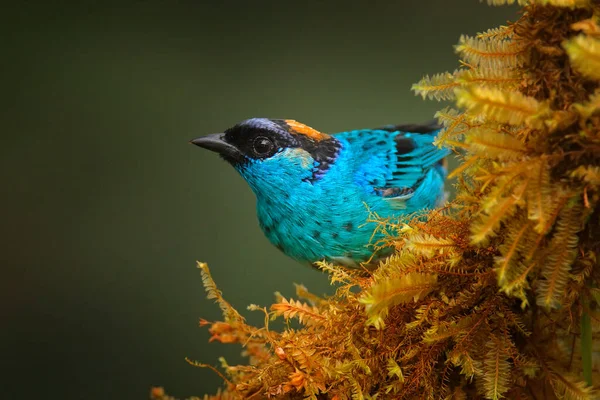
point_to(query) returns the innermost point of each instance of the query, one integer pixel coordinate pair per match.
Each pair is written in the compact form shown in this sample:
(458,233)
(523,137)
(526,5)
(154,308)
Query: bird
(315,191)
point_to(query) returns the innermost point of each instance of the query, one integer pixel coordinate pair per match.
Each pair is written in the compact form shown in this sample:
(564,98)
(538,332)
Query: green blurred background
(106,206)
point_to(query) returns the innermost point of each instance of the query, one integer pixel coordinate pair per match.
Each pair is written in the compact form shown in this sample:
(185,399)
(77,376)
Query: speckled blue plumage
(314,216)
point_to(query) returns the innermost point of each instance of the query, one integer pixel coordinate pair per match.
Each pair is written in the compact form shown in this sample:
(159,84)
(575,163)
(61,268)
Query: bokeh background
(105,205)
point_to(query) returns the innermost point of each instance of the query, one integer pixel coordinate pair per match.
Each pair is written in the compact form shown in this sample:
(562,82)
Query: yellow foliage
(505,107)
(499,33)
(590,107)
(587,26)
(487,53)
(454,123)
(438,87)
(492,143)
(584,53)
(564,3)
(429,246)
(295,309)
(393,291)
(558,262)
(540,195)
(496,369)
(569,387)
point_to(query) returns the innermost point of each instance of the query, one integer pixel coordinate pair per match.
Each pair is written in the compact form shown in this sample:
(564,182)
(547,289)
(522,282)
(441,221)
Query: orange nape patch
(301,129)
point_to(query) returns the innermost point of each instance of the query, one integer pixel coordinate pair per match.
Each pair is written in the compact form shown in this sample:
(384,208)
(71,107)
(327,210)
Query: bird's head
(274,151)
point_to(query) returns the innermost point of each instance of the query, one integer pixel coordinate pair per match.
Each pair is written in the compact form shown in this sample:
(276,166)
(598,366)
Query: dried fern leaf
(491,143)
(490,77)
(584,53)
(306,314)
(464,166)
(503,107)
(230,314)
(496,369)
(303,293)
(429,245)
(588,26)
(514,242)
(569,387)
(497,54)
(444,331)
(454,123)
(540,195)
(499,33)
(590,107)
(438,87)
(393,291)
(563,3)
(588,173)
(394,370)
(488,224)
(501,186)
(468,366)
(557,266)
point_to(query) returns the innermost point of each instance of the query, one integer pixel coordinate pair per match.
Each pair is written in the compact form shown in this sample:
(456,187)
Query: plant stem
(586,347)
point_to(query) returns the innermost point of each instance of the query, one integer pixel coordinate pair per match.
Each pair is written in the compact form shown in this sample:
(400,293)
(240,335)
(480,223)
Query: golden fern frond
(443,331)
(590,107)
(496,369)
(394,370)
(230,314)
(355,389)
(488,224)
(422,314)
(491,77)
(464,166)
(516,283)
(454,123)
(499,33)
(569,387)
(449,116)
(438,87)
(563,3)
(337,274)
(555,270)
(588,26)
(429,245)
(303,356)
(490,53)
(584,53)
(491,143)
(513,244)
(504,107)
(468,366)
(393,291)
(303,293)
(539,194)
(501,186)
(306,314)
(588,173)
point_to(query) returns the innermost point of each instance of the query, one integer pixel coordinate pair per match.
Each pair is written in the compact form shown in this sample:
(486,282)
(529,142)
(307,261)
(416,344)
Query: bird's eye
(263,146)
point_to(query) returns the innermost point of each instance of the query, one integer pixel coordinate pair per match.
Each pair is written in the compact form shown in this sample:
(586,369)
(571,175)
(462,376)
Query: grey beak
(217,143)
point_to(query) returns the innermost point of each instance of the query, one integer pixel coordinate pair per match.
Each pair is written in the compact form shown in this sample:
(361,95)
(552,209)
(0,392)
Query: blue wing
(399,163)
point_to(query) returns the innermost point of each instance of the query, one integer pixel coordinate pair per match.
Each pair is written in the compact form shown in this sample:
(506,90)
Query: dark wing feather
(427,127)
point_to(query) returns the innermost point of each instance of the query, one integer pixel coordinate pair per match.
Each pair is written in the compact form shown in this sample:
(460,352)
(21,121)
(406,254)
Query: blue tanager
(314,191)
